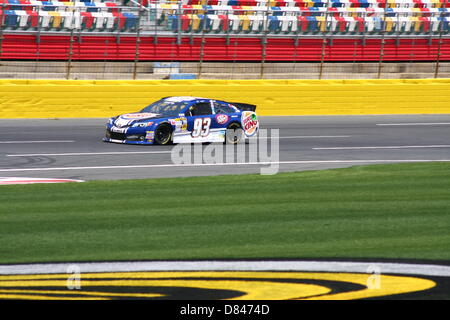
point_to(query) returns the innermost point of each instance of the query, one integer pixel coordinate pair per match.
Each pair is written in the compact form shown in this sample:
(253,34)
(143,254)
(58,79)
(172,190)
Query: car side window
(200,109)
(223,108)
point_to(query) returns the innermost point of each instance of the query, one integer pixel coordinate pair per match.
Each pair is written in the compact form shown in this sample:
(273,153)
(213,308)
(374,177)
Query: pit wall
(105,98)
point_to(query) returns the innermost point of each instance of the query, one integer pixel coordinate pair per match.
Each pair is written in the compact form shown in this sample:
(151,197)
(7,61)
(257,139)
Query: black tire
(163,134)
(234,133)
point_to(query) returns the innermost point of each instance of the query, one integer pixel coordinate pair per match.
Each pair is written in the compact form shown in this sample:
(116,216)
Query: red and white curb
(14,180)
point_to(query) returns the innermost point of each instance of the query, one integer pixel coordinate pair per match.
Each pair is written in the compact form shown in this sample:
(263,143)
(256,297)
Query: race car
(184,120)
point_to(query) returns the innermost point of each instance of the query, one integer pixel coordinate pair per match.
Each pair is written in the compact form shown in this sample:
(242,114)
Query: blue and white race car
(184,120)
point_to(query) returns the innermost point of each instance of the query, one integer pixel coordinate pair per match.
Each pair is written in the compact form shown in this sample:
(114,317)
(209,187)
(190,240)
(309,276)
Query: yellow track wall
(105,98)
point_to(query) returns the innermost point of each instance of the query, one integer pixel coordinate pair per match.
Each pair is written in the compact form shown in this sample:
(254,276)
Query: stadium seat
(11,18)
(55,19)
(257,24)
(195,22)
(185,22)
(33,19)
(312,22)
(235,23)
(173,22)
(90,7)
(44,19)
(14,5)
(131,20)
(245,23)
(48,6)
(22,17)
(87,20)
(213,23)
(225,23)
(112,7)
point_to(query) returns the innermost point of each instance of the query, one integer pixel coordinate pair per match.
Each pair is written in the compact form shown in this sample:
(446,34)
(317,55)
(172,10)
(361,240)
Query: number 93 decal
(201,127)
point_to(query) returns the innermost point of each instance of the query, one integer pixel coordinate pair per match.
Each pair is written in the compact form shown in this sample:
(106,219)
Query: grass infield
(377,211)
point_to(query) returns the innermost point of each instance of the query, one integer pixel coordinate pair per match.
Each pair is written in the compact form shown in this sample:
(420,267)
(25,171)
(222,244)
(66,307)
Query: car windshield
(166,108)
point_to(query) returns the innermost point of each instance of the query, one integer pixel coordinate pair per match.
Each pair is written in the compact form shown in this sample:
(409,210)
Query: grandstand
(261,31)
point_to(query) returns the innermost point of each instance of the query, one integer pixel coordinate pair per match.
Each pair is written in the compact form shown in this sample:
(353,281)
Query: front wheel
(163,134)
(234,133)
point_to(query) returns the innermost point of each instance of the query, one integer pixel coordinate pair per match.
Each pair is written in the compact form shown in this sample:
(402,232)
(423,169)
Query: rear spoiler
(244,106)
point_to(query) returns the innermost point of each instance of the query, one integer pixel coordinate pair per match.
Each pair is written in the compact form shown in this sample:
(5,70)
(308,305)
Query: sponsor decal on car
(249,123)
(134,116)
(179,123)
(222,118)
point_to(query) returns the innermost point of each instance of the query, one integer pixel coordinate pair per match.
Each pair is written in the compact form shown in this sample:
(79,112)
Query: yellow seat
(416,22)
(322,23)
(195,21)
(56,19)
(245,20)
(389,24)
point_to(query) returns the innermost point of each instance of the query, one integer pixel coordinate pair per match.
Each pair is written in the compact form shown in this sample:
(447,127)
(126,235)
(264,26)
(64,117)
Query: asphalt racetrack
(72,148)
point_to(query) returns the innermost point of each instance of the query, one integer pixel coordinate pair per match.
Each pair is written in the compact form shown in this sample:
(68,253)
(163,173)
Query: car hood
(126,120)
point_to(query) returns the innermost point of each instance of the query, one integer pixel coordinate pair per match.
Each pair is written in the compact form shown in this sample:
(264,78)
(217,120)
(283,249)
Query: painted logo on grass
(210,282)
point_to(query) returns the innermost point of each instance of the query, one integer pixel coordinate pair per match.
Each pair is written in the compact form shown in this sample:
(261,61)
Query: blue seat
(277,11)
(444,24)
(313,24)
(364,3)
(337,4)
(318,3)
(48,6)
(90,7)
(233,3)
(274,24)
(444,12)
(173,22)
(208,23)
(11,18)
(315,11)
(209,9)
(130,23)
(390,12)
(15,5)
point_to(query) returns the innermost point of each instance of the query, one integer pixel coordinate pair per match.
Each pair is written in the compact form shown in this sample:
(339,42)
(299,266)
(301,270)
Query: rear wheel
(234,133)
(163,134)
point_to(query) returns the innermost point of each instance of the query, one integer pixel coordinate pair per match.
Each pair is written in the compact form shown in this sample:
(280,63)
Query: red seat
(225,23)
(34,19)
(185,22)
(360,24)
(26,5)
(119,20)
(88,19)
(303,23)
(342,24)
(112,6)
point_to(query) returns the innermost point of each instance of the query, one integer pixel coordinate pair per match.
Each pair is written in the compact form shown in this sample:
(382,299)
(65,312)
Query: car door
(200,120)
(224,114)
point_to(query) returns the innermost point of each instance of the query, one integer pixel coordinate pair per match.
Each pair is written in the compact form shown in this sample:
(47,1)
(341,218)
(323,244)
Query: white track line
(383,147)
(414,124)
(214,265)
(84,153)
(303,137)
(171,165)
(38,141)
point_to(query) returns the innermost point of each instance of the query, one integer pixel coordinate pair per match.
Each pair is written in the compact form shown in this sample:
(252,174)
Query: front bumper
(126,141)
(136,138)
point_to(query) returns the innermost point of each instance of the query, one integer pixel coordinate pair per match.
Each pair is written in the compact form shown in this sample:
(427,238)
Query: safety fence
(236,31)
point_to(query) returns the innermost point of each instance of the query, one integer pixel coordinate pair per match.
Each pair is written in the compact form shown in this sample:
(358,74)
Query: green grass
(381,211)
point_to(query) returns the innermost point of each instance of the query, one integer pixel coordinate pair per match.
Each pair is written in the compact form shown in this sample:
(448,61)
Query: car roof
(184,98)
